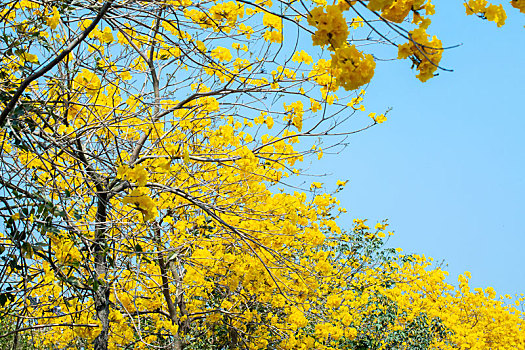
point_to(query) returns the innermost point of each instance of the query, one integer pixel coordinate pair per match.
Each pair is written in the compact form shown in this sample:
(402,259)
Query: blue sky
(447,168)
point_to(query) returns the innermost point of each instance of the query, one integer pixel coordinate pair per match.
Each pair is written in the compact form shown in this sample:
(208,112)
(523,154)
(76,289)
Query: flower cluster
(274,22)
(398,10)
(349,66)
(301,57)
(331,26)
(353,68)
(425,53)
(222,54)
(294,114)
(377,5)
(143,173)
(491,12)
(519,4)
(88,82)
(228,12)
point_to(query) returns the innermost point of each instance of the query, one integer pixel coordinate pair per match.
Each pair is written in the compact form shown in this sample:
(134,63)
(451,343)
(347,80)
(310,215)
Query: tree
(148,179)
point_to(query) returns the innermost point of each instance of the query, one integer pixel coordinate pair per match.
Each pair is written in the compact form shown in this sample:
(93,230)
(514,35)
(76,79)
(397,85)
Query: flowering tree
(148,169)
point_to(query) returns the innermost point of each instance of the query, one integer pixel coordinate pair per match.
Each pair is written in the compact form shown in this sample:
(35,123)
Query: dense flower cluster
(353,68)
(332,29)
(398,10)
(145,201)
(494,13)
(519,4)
(426,54)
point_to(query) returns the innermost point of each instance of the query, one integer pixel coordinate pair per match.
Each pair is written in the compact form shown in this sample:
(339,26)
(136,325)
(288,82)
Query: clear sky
(448,167)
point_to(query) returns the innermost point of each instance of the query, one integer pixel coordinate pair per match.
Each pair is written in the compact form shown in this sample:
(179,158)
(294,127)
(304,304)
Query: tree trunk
(177,344)
(101,291)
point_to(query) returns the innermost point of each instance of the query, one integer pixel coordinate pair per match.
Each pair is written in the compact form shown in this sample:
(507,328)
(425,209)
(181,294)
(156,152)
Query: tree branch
(11,105)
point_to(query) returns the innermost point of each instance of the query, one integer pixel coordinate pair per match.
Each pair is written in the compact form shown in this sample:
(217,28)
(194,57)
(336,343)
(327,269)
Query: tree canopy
(150,151)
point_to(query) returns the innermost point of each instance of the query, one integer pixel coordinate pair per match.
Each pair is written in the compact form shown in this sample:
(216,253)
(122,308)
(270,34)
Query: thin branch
(11,105)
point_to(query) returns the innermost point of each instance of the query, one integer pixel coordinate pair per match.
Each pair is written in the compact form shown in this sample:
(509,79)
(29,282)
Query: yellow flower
(357,22)
(302,56)
(331,26)
(496,14)
(519,4)
(29,57)
(379,119)
(398,11)
(273,37)
(269,122)
(125,75)
(315,106)
(88,81)
(380,226)
(200,46)
(273,21)
(316,185)
(353,68)
(52,21)
(222,54)
(105,36)
(377,5)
